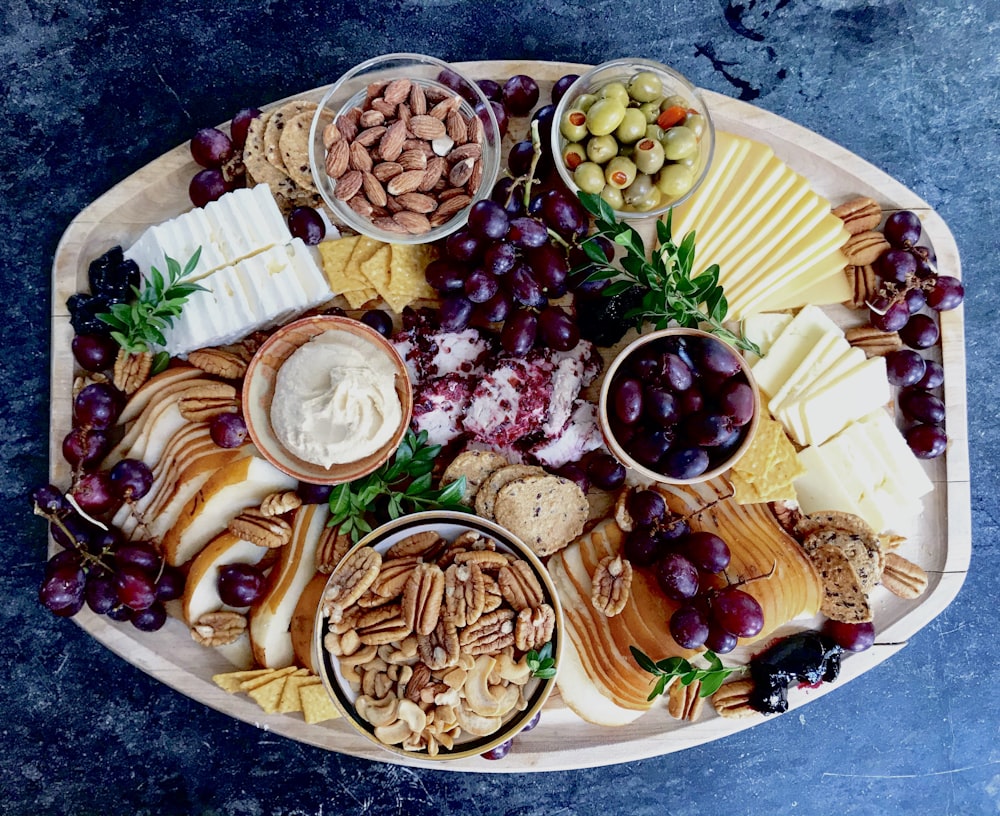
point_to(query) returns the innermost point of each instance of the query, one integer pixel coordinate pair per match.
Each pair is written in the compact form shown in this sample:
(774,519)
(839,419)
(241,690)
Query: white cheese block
(790,348)
(825,353)
(830,407)
(884,436)
(763,330)
(821,486)
(246,221)
(179,239)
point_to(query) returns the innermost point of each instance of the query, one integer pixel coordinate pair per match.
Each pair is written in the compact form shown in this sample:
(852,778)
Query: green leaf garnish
(685,672)
(139,325)
(671,292)
(542,663)
(405,483)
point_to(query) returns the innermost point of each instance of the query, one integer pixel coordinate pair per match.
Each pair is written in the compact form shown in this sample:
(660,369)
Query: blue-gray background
(92,91)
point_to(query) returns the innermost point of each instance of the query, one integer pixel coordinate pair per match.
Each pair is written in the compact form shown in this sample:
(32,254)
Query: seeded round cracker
(863,553)
(258,167)
(293,143)
(833,519)
(276,123)
(545,512)
(486,496)
(475,466)
(844,600)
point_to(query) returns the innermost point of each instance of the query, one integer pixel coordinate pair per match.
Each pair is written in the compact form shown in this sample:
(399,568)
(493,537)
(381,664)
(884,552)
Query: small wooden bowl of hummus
(327,399)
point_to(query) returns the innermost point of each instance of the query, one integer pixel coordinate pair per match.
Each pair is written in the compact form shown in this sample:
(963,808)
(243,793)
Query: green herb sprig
(685,672)
(542,663)
(671,293)
(405,483)
(139,325)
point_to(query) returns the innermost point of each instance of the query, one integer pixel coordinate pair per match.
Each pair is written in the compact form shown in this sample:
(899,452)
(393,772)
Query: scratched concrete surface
(93,91)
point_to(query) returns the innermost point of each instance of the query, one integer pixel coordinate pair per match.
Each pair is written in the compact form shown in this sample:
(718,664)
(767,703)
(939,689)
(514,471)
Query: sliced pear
(304,620)
(154,388)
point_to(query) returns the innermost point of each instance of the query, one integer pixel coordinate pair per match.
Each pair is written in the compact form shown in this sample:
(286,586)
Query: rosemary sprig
(140,324)
(404,483)
(671,293)
(542,663)
(685,672)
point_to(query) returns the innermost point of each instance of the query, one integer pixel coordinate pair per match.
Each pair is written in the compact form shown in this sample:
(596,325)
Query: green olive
(650,110)
(645,87)
(620,172)
(604,116)
(674,180)
(648,156)
(573,155)
(589,177)
(673,101)
(696,122)
(616,91)
(601,148)
(632,127)
(584,101)
(689,161)
(573,124)
(679,142)
(654,131)
(613,196)
(638,189)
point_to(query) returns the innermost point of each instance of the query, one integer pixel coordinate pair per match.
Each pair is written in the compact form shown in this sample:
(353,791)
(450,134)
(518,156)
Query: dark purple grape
(379,320)
(120,613)
(50,500)
(496,309)
(557,329)
(240,124)
(480,286)
(737,612)
(716,357)
(64,558)
(549,267)
(904,367)
(648,447)
(902,229)
(509,194)
(314,493)
(946,294)
(736,401)
(62,591)
(888,316)
(669,532)
(926,441)
(94,352)
(456,312)
(531,724)
(855,637)
(139,554)
(660,405)
(211,147)
(933,375)
(684,463)
(519,332)
(498,752)
(228,430)
(926,262)
(646,507)
(545,115)
(500,258)
(626,399)
(527,233)
(677,577)
(241,584)
(101,593)
(170,584)
(520,94)
(562,85)
(575,473)
(688,627)
(306,223)
(706,429)
(446,275)
(691,400)
(606,472)
(915,299)
(707,551)
(920,332)
(450,79)
(520,156)
(563,212)
(489,220)
(97,406)
(73,532)
(151,618)
(131,479)
(524,288)
(642,547)
(136,587)
(491,89)
(93,492)
(464,247)
(896,265)
(720,641)
(676,373)
(207,185)
(918,405)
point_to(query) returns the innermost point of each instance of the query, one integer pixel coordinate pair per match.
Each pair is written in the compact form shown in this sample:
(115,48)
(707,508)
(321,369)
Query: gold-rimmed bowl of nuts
(402,146)
(429,634)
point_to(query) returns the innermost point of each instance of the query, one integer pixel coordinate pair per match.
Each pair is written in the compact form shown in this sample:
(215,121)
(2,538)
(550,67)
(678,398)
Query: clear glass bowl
(621,70)
(350,91)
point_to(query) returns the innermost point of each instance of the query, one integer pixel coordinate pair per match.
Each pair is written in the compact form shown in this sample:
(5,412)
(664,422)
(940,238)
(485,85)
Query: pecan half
(864,285)
(464,594)
(865,247)
(383,624)
(492,633)
(441,648)
(534,627)
(519,586)
(131,370)
(420,678)
(218,628)
(333,545)
(422,597)
(205,408)
(218,361)
(732,701)
(902,577)
(859,214)
(284,501)
(872,341)
(264,531)
(685,702)
(611,585)
(355,574)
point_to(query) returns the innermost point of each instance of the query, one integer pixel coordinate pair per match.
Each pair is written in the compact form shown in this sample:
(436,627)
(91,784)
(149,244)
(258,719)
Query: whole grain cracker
(293,145)
(545,512)
(475,466)
(275,126)
(844,599)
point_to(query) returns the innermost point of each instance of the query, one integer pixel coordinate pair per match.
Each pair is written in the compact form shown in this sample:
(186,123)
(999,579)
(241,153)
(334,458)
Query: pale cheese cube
(831,407)
(790,348)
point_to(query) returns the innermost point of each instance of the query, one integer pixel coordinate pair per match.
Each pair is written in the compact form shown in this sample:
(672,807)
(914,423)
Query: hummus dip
(335,400)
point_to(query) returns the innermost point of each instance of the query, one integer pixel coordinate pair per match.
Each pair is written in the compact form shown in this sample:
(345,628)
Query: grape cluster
(221,157)
(909,282)
(125,580)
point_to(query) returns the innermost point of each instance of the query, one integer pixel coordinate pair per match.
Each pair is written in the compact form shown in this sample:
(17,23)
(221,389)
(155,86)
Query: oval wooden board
(563,741)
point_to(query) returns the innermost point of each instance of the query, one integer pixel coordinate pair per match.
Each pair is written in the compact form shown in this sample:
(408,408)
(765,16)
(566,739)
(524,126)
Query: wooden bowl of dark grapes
(679,406)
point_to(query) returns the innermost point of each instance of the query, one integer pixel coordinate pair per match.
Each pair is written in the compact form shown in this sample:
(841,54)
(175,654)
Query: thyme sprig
(685,672)
(404,484)
(671,292)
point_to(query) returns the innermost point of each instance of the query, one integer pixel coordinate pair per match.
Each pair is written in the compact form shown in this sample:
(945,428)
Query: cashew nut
(378,712)
(483,700)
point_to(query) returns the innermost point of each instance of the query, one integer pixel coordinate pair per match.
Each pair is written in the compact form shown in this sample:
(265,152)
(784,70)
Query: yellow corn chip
(264,679)
(406,275)
(316,704)
(335,256)
(357,298)
(376,269)
(268,695)
(290,700)
(230,681)
(363,250)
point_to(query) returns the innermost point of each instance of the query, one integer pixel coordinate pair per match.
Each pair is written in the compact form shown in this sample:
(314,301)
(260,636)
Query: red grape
(902,229)
(487,219)
(63,589)
(83,447)
(379,320)
(707,551)
(499,113)
(921,406)
(136,587)
(720,641)
(306,223)
(520,94)
(228,430)
(888,316)
(241,584)
(688,627)
(211,147)
(170,584)
(139,554)
(207,185)
(933,375)
(855,637)
(94,352)
(606,472)
(904,367)
(527,232)
(456,312)
(313,493)
(646,507)
(499,752)
(562,85)
(240,124)
(920,332)
(896,265)
(463,246)
(946,294)
(677,577)
(558,329)
(926,441)
(445,275)
(93,492)
(151,618)
(491,89)
(685,463)
(101,592)
(480,286)
(97,406)
(737,612)
(131,479)
(518,334)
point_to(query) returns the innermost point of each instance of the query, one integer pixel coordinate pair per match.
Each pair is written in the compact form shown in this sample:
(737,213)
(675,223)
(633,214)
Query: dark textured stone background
(92,91)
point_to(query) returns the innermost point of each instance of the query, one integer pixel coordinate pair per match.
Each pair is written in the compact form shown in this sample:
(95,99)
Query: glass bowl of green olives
(635,132)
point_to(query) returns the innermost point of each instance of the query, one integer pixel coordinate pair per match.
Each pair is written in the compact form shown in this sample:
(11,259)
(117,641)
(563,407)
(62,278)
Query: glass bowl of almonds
(438,636)
(402,146)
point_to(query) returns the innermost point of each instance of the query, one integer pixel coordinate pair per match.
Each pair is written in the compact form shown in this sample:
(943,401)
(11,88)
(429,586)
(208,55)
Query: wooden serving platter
(942,545)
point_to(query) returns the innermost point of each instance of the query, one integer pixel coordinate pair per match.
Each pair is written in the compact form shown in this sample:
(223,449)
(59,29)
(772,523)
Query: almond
(373,189)
(461,172)
(360,160)
(386,170)
(417,202)
(427,127)
(337,159)
(456,128)
(418,100)
(391,143)
(371,118)
(405,182)
(447,209)
(397,91)
(348,185)
(367,138)
(413,223)
(432,174)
